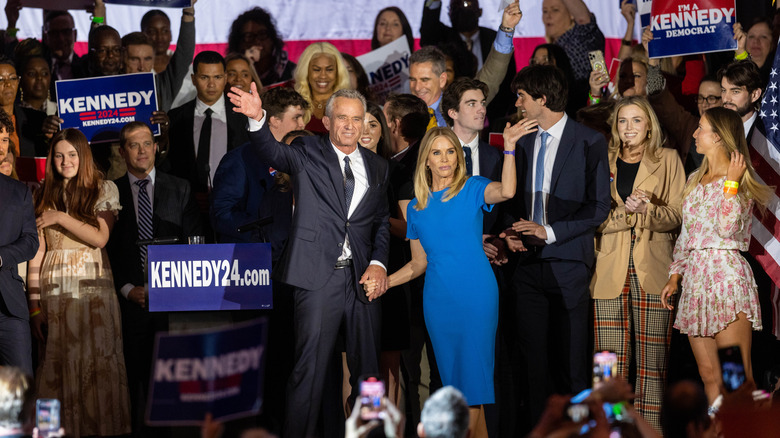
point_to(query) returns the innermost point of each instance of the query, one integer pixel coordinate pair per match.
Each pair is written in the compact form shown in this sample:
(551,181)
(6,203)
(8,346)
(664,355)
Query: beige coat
(656,229)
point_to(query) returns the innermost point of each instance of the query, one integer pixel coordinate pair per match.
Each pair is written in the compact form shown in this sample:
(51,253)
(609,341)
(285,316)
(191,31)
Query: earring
(649,134)
(21,94)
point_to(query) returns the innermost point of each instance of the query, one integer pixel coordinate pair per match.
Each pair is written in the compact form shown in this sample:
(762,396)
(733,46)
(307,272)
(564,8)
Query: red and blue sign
(218,371)
(683,27)
(227,276)
(99,107)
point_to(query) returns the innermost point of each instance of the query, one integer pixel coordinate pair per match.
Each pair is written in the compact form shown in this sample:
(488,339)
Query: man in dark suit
(18,243)
(59,36)
(465,30)
(203,130)
(339,240)
(165,209)
(562,197)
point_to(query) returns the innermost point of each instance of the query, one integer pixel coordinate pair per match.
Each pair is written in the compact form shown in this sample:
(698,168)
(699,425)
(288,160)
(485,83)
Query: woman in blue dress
(460,299)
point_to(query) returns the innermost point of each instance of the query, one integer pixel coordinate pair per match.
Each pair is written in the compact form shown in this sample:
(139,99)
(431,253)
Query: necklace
(318,104)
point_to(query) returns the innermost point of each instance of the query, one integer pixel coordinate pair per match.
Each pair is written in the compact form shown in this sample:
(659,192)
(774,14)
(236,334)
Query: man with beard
(741,90)
(464,16)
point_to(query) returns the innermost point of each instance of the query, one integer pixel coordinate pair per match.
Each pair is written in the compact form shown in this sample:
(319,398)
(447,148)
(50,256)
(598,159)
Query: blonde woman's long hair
(654,140)
(728,126)
(301,73)
(423,179)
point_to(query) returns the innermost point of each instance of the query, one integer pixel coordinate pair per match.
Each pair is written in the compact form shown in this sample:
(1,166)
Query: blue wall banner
(683,27)
(153,3)
(99,107)
(210,277)
(218,371)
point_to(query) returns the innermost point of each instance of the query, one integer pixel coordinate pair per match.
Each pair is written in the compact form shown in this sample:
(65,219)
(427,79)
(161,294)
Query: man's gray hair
(349,94)
(445,414)
(433,55)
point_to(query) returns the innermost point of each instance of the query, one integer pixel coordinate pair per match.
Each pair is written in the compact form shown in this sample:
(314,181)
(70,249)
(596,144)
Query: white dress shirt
(556,132)
(134,189)
(749,124)
(473,145)
(219,132)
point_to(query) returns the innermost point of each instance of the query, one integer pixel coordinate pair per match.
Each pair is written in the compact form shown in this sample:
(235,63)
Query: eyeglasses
(545,60)
(59,32)
(105,51)
(710,99)
(249,37)
(8,81)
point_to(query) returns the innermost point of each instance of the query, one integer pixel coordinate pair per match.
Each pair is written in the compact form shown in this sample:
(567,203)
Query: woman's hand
(637,202)
(37,326)
(628,11)
(671,288)
(48,218)
(597,81)
(736,167)
(741,37)
(513,133)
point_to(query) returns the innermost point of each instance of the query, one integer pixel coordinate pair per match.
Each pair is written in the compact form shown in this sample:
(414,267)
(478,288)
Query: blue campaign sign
(153,3)
(682,27)
(218,371)
(210,277)
(99,107)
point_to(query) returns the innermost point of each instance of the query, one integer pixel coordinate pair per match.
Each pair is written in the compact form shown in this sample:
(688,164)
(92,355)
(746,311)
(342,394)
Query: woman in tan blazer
(634,249)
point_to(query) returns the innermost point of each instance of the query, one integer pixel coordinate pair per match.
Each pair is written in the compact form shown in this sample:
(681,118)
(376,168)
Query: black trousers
(552,310)
(318,317)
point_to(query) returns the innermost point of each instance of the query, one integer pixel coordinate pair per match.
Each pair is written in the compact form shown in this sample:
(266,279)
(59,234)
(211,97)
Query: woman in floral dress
(73,305)
(719,302)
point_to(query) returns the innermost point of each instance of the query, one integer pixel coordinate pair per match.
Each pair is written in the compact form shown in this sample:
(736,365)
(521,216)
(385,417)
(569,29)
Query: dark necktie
(204,150)
(63,69)
(539,182)
(469,44)
(144,217)
(349,183)
(469,163)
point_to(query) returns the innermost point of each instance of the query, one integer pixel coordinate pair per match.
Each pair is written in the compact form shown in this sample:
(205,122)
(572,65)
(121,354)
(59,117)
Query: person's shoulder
(187,108)
(488,149)
(13,184)
(584,133)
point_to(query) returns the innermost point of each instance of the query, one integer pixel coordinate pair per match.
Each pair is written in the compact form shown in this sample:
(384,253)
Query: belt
(343,264)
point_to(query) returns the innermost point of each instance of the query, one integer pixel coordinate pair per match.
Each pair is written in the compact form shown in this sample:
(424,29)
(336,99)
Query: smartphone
(732,368)
(604,366)
(372,391)
(47,416)
(597,62)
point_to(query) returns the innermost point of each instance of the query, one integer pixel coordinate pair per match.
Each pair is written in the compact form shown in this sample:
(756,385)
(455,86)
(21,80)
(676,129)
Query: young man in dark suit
(339,240)
(203,130)
(165,209)
(562,197)
(18,243)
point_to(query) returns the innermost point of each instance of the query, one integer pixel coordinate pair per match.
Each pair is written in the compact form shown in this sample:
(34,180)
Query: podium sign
(233,276)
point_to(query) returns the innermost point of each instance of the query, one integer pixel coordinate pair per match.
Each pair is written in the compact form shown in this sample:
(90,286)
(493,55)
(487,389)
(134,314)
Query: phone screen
(604,366)
(47,415)
(372,391)
(732,368)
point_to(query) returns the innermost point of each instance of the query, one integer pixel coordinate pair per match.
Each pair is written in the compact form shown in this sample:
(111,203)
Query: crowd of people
(609,217)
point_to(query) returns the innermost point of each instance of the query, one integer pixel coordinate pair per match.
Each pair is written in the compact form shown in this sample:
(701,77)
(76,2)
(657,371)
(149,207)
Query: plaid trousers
(638,316)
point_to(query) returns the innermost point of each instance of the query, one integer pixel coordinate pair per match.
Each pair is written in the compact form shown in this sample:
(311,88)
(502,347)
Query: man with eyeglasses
(59,35)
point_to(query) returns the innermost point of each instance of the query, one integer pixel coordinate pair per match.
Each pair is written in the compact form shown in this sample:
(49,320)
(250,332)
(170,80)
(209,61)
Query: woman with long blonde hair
(321,72)
(635,249)
(719,303)
(460,299)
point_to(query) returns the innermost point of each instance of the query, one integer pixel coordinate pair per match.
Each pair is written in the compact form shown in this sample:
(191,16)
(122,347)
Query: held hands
(247,103)
(737,167)
(671,288)
(637,202)
(512,240)
(512,15)
(374,282)
(512,133)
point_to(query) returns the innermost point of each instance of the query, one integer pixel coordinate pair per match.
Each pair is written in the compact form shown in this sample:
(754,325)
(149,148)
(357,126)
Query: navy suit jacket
(490,166)
(18,242)
(320,221)
(579,198)
(244,192)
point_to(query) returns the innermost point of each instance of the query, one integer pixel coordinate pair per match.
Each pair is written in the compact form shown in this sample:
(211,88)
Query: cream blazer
(656,229)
